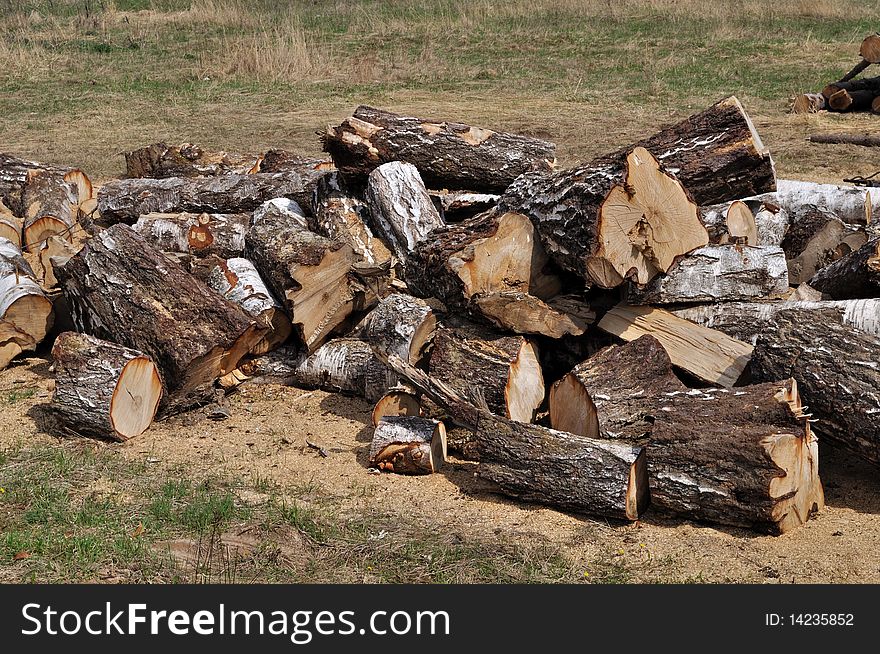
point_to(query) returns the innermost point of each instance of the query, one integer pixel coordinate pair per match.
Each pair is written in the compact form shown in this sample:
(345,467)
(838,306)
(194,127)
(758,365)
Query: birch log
(402,325)
(730,222)
(22,301)
(198,235)
(408,445)
(14,175)
(854,205)
(160,160)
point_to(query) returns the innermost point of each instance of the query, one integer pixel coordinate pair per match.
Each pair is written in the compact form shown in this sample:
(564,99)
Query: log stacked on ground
(50,205)
(402,325)
(408,445)
(15,174)
(160,160)
(198,235)
(22,301)
(815,238)
(856,275)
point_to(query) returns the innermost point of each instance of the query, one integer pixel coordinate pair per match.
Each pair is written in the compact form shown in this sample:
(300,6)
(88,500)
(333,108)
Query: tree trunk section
(15,174)
(455,206)
(856,275)
(866,140)
(401,325)
(521,313)
(344,365)
(399,401)
(22,301)
(816,238)
(160,160)
(282,161)
(50,208)
(853,205)
(13,342)
(731,222)
(408,445)
(198,235)
(10,226)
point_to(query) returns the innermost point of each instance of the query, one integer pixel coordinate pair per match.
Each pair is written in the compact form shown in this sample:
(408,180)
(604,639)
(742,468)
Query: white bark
(847,202)
(284,207)
(195,234)
(241,283)
(22,300)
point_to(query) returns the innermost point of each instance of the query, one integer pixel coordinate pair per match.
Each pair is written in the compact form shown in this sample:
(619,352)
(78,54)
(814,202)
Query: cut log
(103,389)
(491,253)
(55,251)
(870,49)
(160,160)
(408,445)
(614,394)
(522,313)
(718,273)
(397,402)
(705,353)
(14,174)
(401,208)
(816,238)
(50,208)
(866,140)
(855,275)
(13,342)
(730,222)
(282,161)
(745,458)
(853,205)
(401,325)
(339,215)
(844,100)
(310,274)
(282,208)
(875,107)
(748,320)
(808,103)
(10,226)
(772,224)
(22,302)
(238,280)
(124,200)
(199,235)
(448,155)
(122,289)
(455,206)
(504,371)
(607,222)
(836,368)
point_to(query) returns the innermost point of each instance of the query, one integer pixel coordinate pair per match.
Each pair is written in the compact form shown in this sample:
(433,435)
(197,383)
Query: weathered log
(408,445)
(55,251)
(522,313)
(402,325)
(455,206)
(718,273)
(400,206)
(853,205)
(866,140)
(10,226)
(623,218)
(13,342)
(836,368)
(844,100)
(199,235)
(816,238)
(808,103)
(49,204)
(124,200)
(448,155)
(160,160)
(103,389)
(238,280)
(772,223)
(14,175)
(744,457)
(730,222)
(282,161)
(282,208)
(22,302)
(400,401)
(503,370)
(705,353)
(855,275)
(122,289)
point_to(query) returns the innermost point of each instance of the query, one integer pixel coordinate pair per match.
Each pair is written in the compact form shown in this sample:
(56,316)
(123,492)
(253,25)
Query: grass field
(82,80)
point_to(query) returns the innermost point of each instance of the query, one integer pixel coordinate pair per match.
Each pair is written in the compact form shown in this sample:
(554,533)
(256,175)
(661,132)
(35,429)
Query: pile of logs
(643,329)
(847,93)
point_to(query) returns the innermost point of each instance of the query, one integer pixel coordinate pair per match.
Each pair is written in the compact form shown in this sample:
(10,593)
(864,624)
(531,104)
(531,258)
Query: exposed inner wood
(13,342)
(396,402)
(523,313)
(22,301)
(408,445)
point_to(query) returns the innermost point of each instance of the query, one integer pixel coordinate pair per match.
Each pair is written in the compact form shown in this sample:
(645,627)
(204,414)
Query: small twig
(320,449)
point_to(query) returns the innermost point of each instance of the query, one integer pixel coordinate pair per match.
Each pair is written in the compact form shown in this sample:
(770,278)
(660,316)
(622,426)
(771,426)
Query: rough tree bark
(853,205)
(408,445)
(50,205)
(455,206)
(198,235)
(401,325)
(160,160)
(815,238)
(856,275)
(14,173)
(281,161)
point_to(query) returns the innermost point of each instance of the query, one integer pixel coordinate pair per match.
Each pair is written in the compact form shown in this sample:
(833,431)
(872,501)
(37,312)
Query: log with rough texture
(743,457)
(238,280)
(856,275)
(836,367)
(400,401)
(408,445)
(455,206)
(13,342)
(50,205)
(14,173)
(10,225)
(705,353)
(808,103)
(124,200)
(522,313)
(748,320)
(122,289)
(199,235)
(103,389)
(866,140)
(772,223)
(22,301)
(504,370)
(281,161)
(448,155)
(621,218)
(401,325)
(400,206)
(816,238)
(160,160)
(730,222)
(282,208)
(718,273)
(853,205)
(55,251)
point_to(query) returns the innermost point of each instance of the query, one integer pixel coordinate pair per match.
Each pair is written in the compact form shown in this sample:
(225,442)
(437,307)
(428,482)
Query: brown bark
(855,275)
(160,160)
(49,206)
(282,161)
(866,140)
(815,238)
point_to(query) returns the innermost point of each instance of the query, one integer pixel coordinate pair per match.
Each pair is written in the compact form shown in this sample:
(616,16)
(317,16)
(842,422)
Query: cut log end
(408,445)
(396,402)
(31,314)
(741,225)
(572,409)
(136,398)
(525,384)
(870,49)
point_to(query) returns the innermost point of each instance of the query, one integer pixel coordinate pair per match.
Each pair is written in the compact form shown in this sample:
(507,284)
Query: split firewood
(743,457)
(855,275)
(867,85)
(50,205)
(448,155)
(55,251)
(718,273)
(402,325)
(282,161)
(851,204)
(815,238)
(10,226)
(607,222)
(103,389)
(238,280)
(124,290)
(730,222)
(199,235)
(340,215)
(705,353)
(282,208)
(866,140)
(399,401)
(400,206)
(808,103)
(522,313)
(491,253)
(22,301)
(836,368)
(310,274)
(408,445)
(15,173)
(504,370)
(455,206)
(124,200)
(160,160)
(13,342)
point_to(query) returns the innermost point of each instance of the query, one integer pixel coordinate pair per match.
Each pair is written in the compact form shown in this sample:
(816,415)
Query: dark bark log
(408,445)
(22,301)
(856,275)
(282,161)
(816,238)
(455,206)
(866,140)
(160,160)
(122,289)
(199,235)
(448,155)
(852,100)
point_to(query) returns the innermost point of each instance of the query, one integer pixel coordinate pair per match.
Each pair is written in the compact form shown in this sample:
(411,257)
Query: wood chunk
(401,325)
(199,235)
(705,353)
(280,161)
(869,50)
(851,204)
(455,206)
(344,365)
(22,301)
(816,238)
(865,140)
(284,208)
(408,445)
(400,401)
(771,223)
(10,225)
(808,103)
(15,174)
(855,275)
(55,251)
(446,154)
(103,389)
(160,160)
(13,342)
(49,204)
(730,222)
(526,314)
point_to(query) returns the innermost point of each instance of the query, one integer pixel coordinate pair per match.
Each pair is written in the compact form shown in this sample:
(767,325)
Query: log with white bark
(814,239)
(238,280)
(122,289)
(400,206)
(399,401)
(522,313)
(730,222)
(50,205)
(103,389)
(854,205)
(14,174)
(836,367)
(281,208)
(771,222)
(705,353)
(455,206)
(402,325)
(22,301)
(718,273)
(13,342)
(160,160)
(408,445)
(199,235)
(447,154)
(856,275)
(504,371)
(625,218)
